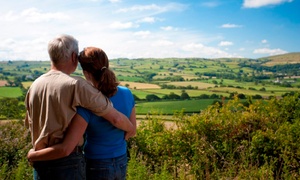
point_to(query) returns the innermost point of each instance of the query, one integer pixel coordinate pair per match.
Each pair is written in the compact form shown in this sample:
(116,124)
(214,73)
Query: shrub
(226,142)
(14,145)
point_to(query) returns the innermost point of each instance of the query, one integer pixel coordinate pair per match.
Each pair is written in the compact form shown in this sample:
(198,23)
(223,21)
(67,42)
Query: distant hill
(290,58)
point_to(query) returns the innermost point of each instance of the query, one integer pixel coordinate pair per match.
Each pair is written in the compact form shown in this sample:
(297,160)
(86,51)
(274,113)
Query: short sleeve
(90,98)
(84,113)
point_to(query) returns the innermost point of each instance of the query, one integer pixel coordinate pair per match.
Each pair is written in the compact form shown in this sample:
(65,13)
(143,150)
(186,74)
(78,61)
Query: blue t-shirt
(103,140)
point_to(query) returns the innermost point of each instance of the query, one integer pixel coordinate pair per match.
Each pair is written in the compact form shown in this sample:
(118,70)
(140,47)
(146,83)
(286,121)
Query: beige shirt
(51,104)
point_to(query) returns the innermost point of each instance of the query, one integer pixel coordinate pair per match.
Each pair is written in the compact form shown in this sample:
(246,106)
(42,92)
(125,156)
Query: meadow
(162,77)
(173,107)
(10,92)
(182,133)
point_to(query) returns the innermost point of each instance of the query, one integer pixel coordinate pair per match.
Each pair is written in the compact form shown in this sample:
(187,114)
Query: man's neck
(61,68)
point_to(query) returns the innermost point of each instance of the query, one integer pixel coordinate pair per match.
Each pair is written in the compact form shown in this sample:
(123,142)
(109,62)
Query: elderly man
(51,104)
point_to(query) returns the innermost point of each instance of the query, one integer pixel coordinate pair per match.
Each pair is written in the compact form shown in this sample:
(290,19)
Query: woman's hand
(29,154)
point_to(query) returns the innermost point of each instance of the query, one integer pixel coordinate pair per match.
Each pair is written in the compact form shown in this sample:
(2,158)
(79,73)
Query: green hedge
(14,145)
(231,141)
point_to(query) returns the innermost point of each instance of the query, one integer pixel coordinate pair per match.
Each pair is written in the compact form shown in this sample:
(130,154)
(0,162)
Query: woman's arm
(72,137)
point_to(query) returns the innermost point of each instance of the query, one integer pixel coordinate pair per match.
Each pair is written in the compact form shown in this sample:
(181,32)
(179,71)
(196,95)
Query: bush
(232,141)
(228,142)
(14,145)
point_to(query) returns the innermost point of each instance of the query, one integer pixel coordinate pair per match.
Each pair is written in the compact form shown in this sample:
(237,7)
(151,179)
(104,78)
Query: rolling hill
(291,58)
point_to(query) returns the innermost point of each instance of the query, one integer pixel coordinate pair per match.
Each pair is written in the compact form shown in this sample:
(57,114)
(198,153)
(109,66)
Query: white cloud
(142,34)
(269,51)
(10,16)
(264,41)
(140,8)
(225,43)
(119,25)
(147,20)
(154,8)
(114,1)
(12,49)
(167,28)
(230,26)
(205,51)
(33,15)
(261,3)
(146,29)
(162,43)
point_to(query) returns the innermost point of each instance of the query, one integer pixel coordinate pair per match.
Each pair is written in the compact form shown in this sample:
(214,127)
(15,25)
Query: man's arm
(132,119)
(119,120)
(73,135)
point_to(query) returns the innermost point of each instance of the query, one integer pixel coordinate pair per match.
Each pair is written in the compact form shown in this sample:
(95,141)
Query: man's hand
(130,134)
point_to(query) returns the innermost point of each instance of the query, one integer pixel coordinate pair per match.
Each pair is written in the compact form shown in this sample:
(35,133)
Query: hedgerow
(232,140)
(260,140)
(14,145)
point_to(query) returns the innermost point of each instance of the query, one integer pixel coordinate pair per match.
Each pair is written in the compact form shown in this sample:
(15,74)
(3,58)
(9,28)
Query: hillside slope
(290,58)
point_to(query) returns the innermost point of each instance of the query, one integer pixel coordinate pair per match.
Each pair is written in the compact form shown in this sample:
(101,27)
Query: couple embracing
(79,127)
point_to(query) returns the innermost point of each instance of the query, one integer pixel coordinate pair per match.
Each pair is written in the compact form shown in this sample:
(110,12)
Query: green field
(10,92)
(169,107)
(165,76)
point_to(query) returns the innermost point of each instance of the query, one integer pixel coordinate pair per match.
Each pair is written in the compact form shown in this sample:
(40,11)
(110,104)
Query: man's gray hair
(60,49)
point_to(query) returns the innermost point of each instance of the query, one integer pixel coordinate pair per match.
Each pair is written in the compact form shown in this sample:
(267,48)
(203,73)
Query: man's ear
(74,57)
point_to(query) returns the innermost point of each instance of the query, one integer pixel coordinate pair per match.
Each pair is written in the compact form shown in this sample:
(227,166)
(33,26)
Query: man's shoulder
(57,77)
(77,78)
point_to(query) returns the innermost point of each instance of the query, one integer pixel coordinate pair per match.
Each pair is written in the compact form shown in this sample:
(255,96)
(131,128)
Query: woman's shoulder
(123,88)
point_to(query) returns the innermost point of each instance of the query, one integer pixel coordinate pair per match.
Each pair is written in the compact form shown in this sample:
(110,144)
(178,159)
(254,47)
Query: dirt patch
(2,83)
(139,85)
(168,124)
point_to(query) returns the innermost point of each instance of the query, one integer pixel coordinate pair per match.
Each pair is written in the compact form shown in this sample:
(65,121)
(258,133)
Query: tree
(184,95)
(152,97)
(11,109)
(204,96)
(136,98)
(174,96)
(213,96)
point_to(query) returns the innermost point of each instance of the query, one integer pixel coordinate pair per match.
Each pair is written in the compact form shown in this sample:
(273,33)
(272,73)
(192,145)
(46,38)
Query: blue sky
(152,28)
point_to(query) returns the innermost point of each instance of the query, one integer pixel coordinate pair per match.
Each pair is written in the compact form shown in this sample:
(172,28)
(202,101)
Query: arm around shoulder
(118,120)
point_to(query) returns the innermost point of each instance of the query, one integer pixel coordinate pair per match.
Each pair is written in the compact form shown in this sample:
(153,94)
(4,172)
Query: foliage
(10,108)
(231,141)
(152,97)
(224,141)
(14,145)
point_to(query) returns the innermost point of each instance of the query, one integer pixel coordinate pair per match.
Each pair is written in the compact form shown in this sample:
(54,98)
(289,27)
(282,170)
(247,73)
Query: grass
(169,107)
(27,84)
(200,85)
(10,92)
(136,85)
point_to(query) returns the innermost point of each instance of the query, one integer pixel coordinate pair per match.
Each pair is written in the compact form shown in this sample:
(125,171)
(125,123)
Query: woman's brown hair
(94,60)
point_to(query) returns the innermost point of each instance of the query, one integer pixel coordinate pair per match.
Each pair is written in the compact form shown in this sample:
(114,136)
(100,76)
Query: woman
(105,145)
